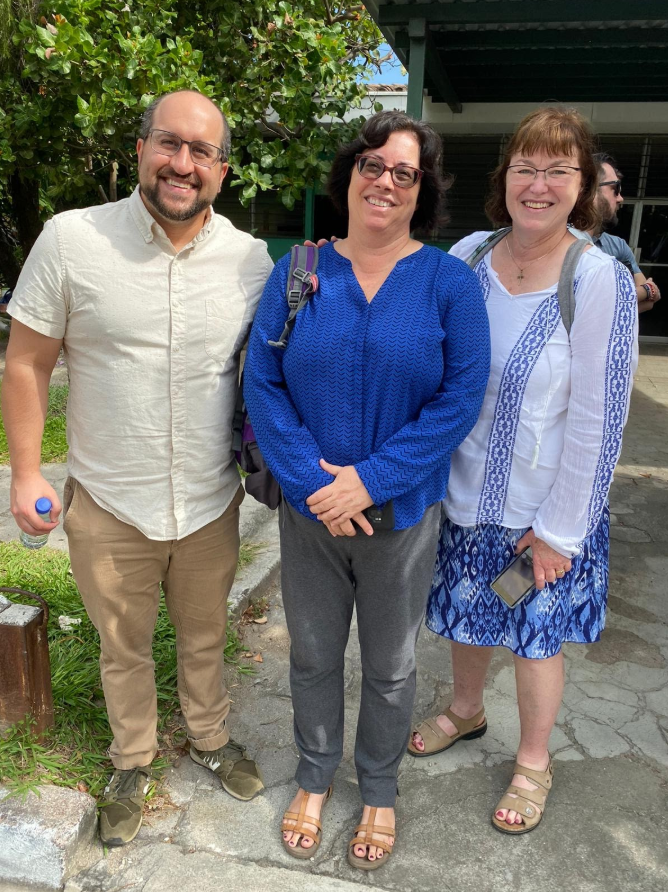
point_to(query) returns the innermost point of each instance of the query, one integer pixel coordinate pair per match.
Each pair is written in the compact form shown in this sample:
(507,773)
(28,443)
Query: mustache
(192,178)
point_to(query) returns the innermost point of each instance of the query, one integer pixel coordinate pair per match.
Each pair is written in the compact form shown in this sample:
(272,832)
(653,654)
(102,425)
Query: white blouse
(549,434)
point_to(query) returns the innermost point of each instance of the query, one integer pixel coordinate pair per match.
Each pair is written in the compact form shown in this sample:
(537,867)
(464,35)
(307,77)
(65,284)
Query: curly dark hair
(554,130)
(375,132)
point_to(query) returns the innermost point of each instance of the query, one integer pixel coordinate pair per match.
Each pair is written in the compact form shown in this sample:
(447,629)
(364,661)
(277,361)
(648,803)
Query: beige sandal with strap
(436,740)
(365,835)
(529,804)
(300,821)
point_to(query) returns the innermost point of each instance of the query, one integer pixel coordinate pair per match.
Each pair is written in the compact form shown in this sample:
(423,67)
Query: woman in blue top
(382,378)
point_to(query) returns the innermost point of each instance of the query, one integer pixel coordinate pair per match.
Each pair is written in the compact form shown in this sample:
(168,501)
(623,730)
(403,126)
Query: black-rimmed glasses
(616,186)
(204,154)
(372,168)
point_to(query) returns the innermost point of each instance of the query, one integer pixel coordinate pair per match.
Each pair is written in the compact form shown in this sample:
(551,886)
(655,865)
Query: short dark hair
(375,132)
(554,130)
(146,124)
(602,158)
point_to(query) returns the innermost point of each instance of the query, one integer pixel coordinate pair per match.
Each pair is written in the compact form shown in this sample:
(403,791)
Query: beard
(151,191)
(609,216)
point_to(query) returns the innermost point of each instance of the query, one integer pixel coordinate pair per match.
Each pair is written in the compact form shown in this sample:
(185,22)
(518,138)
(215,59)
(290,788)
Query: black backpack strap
(566,290)
(239,417)
(486,246)
(302,283)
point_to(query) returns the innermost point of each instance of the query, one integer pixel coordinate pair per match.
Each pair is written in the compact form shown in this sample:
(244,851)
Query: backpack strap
(486,246)
(566,290)
(302,284)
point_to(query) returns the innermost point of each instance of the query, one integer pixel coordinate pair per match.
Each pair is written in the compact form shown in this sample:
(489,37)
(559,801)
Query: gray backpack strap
(486,246)
(302,284)
(566,290)
(303,263)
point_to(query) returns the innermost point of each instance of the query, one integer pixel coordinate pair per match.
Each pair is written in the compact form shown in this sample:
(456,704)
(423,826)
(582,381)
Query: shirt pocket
(223,330)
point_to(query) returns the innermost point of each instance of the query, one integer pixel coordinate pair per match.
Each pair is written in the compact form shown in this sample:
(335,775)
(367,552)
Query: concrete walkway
(606,824)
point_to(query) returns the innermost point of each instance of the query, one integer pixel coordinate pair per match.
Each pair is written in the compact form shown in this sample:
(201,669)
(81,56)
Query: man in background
(608,201)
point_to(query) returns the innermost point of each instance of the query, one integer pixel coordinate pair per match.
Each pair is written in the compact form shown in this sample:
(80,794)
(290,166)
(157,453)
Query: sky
(392,72)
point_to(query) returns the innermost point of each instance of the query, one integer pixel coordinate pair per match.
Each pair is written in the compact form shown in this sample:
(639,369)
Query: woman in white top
(536,469)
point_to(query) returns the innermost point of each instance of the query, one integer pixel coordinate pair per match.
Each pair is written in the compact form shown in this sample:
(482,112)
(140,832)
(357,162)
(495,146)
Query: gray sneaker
(122,805)
(238,773)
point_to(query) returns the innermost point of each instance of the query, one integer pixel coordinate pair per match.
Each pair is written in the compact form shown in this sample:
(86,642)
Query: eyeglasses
(616,186)
(202,153)
(555,176)
(402,175)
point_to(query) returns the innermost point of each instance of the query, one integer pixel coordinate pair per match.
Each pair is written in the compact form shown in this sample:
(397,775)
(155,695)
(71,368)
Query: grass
(54,442)
(74,753)
(247,553)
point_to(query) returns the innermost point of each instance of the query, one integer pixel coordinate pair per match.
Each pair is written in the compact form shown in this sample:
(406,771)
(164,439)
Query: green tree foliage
(75,76)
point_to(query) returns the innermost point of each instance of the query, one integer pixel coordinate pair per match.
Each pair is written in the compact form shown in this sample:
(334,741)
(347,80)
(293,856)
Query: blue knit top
(391,387)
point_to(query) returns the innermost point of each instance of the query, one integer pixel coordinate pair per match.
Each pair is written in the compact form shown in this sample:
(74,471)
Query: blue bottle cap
(43,506)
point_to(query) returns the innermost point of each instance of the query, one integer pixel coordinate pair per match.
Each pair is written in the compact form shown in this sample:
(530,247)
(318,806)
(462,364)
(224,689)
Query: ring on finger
(560,573)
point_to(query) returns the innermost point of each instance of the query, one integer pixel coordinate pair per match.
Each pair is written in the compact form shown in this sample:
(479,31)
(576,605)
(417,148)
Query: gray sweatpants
(387,577)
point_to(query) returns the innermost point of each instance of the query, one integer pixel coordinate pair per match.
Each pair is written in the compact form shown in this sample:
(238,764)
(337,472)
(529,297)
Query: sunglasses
(616,186)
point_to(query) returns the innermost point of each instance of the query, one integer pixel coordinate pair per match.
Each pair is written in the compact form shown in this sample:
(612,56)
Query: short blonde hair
(554,130)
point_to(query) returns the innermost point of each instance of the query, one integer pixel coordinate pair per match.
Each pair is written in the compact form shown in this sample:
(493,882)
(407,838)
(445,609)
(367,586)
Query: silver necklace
(535,260)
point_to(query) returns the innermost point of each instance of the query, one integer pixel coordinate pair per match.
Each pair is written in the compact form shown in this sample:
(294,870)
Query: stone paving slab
(45,839)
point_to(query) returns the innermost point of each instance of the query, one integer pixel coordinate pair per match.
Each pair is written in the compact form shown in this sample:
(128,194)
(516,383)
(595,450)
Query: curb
(258,526)
(46,839)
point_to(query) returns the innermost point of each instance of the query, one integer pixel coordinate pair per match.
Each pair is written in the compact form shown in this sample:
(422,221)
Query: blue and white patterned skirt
(463,607)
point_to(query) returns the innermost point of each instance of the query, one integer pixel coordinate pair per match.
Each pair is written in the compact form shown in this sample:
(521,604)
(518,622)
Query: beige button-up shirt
(152,337)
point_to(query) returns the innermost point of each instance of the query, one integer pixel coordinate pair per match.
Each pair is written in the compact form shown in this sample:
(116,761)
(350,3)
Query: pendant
(520,275)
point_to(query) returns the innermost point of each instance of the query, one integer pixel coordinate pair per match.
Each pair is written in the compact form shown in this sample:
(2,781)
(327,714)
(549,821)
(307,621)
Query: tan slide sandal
(437,741)
(529,804)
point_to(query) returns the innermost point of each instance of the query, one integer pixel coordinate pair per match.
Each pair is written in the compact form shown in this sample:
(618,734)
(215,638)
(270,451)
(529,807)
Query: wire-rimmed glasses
(558,175)
(204,154)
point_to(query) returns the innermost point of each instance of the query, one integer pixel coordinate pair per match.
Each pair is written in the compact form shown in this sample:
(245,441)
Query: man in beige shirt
(152,298)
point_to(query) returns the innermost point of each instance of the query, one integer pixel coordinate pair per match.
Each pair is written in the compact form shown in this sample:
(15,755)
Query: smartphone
(381,518)
(517,581)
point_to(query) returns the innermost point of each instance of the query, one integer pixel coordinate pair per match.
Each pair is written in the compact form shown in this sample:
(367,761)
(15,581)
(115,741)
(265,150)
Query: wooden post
(25,672)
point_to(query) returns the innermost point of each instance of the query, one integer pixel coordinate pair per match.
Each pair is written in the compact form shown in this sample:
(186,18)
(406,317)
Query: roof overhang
(575,51)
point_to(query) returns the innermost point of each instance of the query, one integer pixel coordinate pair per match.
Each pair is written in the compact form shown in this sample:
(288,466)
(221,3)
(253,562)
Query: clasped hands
(548,564)
(342,501)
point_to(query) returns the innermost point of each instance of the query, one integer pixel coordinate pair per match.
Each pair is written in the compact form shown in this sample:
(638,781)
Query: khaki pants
(118,571)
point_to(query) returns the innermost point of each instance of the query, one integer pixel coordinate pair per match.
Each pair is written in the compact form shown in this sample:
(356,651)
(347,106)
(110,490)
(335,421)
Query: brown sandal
(299,826)
(365,836)
(436,740)
(529,804)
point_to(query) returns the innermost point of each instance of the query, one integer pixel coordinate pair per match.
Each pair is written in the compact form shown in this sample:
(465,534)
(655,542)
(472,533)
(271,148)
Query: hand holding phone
(517,581)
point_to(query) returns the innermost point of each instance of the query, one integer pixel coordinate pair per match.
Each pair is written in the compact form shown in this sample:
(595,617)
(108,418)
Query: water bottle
(43,508)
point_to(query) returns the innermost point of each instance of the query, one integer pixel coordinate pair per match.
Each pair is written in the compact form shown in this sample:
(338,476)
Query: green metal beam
(438,75)
(605,60)
(635,38)
(577,93)
(522,79)
(417,32)
(524,11)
